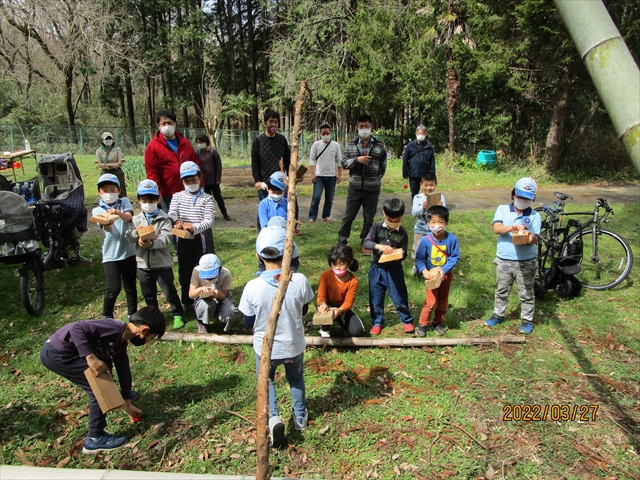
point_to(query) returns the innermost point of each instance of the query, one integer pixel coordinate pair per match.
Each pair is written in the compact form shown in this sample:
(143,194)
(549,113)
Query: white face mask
(364,133)
(202,146)
(420,138)
(522,204)
(326,138)
(193,188)
(109,198)
(149,207)
(108,143)
(275,197)
(168,130)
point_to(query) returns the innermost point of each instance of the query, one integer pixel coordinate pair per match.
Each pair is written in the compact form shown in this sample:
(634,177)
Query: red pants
(439,298)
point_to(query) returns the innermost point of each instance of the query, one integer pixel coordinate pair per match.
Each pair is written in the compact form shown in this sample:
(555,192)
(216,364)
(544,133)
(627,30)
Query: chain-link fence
(233,145)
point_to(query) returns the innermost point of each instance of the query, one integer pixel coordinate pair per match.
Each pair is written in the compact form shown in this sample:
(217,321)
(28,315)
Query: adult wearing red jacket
(167,150)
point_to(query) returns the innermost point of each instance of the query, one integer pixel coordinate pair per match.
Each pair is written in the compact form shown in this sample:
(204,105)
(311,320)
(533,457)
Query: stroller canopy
(15,215)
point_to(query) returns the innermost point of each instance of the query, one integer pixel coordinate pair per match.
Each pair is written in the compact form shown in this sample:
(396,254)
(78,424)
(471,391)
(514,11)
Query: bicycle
(605,256)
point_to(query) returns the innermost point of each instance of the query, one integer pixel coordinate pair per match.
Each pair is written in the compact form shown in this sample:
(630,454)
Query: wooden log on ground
(354,342)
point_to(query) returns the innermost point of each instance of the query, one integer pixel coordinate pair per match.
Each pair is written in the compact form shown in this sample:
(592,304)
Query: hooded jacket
(162,164)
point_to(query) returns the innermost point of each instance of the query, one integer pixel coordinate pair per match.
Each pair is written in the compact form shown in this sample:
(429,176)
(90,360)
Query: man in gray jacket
(366,159)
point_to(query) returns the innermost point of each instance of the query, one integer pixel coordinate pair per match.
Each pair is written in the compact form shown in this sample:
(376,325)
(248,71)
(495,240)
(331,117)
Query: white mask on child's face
(109,198)
(149,207)
(436,229)
(193,188)
(275,197)
(521,203)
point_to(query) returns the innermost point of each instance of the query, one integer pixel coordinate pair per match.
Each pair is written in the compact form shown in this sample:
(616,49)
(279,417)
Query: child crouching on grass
(153,256)
(211,289)
(118,255)
(438,253)
(100,345)
(337,291)
(288,343)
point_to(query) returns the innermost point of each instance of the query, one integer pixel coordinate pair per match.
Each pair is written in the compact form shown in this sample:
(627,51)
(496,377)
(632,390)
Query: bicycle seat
(562,196)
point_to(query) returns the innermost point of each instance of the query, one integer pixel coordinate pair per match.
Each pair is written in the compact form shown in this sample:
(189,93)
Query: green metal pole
(610,64)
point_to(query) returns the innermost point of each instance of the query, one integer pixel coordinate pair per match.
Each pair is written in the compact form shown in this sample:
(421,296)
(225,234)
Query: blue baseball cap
(148,187)
(526,188)
(108,177)
(277,222)
(278,180)
(189,169)
(271,237)
(209,266)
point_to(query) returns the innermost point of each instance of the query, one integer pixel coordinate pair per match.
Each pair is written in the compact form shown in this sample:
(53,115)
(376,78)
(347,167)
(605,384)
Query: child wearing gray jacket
(153,256)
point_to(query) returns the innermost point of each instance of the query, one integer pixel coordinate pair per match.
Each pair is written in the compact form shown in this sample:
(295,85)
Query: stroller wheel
(564,288)
(538,289)
(577,287)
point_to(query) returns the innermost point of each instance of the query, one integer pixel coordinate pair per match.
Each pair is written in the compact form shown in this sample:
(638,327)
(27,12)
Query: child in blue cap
(211,290)
(118,255)
(194,211)
(516,263)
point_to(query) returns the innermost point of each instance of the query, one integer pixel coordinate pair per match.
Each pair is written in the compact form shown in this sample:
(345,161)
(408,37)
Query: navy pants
(117,274)
(71,366)
(382,280)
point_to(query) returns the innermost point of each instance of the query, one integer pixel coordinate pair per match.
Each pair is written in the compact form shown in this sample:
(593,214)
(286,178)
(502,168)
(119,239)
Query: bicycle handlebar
(602,202)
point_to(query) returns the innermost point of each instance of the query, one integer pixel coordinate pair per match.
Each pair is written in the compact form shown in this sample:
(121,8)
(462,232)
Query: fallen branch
(354,342)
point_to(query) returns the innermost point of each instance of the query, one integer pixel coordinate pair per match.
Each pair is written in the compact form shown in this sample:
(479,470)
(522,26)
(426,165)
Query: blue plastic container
(487,157)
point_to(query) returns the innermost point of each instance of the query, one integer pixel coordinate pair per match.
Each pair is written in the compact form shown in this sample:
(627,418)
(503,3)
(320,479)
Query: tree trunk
(129,93)
(232,55)
(123,108)
(68,92)
(554,136)
(262,424)
(150,113)
(452,100)
(252,62)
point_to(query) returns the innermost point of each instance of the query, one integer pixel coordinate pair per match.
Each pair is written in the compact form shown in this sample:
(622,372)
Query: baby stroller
(556,271)
(19,244)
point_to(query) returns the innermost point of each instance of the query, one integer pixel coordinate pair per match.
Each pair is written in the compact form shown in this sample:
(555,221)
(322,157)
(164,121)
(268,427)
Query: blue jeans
(294,372)
(392,280)
(328,184)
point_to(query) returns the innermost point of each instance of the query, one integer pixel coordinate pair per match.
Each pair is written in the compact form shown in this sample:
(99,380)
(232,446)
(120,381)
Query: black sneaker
(276,427)
(227,218)
(421,331)
(133,395)
(105,442)
(439,328)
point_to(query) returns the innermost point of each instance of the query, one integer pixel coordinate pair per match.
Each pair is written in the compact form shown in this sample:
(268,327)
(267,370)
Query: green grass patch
(375,413)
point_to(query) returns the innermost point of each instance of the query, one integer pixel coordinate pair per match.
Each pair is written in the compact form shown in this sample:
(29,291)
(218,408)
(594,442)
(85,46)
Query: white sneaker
(300,424)
(325,333)
(276,428)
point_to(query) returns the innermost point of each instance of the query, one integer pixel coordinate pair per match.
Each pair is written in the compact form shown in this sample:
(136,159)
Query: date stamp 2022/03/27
(555,413)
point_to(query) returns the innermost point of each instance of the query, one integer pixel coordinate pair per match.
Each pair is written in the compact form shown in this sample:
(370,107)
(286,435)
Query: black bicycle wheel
(545,259)
(609,266)
(32,288)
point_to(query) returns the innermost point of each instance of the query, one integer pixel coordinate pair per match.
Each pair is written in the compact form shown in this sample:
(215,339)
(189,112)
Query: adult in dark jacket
(266,152)
(211,168)
(167,150)
(417,160)
(366,159)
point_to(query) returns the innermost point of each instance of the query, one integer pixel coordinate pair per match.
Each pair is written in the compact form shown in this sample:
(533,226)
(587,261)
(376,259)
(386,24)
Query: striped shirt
(199,210)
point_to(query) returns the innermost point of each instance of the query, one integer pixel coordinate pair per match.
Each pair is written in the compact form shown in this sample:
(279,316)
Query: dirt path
(243,212)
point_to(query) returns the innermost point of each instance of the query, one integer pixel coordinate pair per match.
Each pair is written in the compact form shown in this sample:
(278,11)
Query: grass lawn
(374,413)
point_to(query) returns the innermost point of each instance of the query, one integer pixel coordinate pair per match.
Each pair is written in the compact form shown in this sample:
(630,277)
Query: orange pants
(438,298)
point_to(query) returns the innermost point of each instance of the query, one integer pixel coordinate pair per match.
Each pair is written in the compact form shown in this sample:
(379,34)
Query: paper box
(147,233)
(302,169)
(106,391)
(323,318)
(397,254)
(433,199)
(178,232)
(435,281)
(104,218)
(520,237)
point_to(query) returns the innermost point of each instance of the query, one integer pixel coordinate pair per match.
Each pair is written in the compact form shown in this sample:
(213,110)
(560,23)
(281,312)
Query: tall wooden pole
(263,443)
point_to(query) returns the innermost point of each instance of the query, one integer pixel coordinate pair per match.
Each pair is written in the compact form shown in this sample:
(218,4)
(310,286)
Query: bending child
(100,345)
